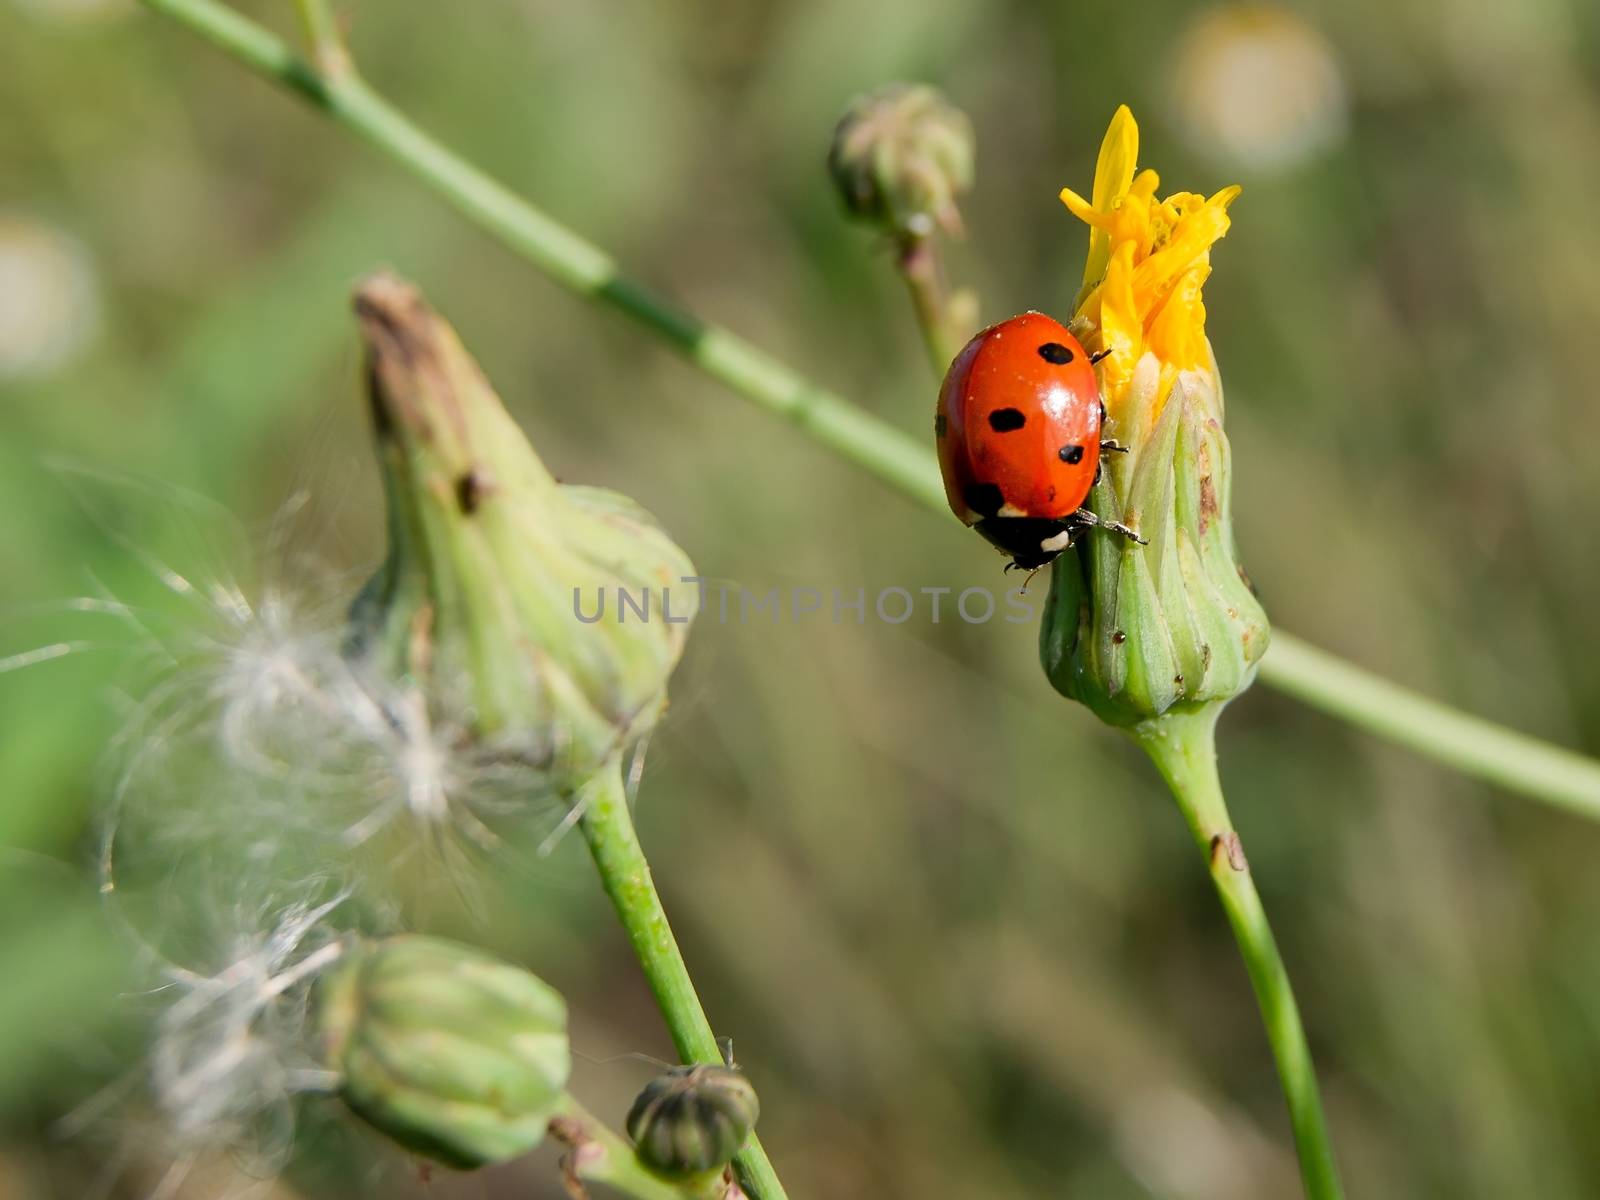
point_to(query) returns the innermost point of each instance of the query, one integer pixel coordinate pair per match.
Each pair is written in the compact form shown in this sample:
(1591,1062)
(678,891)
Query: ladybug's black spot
(1004,420)
(940,424)
(983,498)
(1071,454)
(1055,352)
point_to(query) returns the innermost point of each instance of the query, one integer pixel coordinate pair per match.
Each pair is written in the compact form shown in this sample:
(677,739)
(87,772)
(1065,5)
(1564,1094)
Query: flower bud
(693,1120)
(452,1053)
(900,156)
(1133,630)
(490,560)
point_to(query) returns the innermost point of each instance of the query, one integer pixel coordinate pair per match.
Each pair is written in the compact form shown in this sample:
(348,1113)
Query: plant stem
(896,458)
(1520,764)
(1473,746)
(613,843)
(596,1154)
(917,260)
(322,36)
(1182,745)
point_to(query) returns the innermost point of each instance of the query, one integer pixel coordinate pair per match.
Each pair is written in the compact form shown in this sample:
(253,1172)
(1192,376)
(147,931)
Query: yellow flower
(1148,261)
(1167,624)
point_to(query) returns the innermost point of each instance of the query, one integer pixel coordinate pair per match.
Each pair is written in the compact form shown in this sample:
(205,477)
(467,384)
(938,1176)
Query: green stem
(322,36)
(596,1154)
(572,261)
(917,259)
(1183,748)
(1520,764)
(1471,745)
(613,843)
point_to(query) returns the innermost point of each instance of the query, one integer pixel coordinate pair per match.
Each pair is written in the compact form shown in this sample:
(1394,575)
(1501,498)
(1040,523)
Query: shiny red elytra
(1018,429)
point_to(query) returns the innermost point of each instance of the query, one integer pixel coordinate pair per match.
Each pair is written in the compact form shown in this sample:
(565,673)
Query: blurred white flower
(49,297)
(1186,1149)
(1256,86)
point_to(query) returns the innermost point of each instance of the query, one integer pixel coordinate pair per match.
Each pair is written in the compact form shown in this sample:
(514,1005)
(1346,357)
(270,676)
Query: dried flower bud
(454,1054)
(1133,630)
(488,553)
(693,1120)
(900,156)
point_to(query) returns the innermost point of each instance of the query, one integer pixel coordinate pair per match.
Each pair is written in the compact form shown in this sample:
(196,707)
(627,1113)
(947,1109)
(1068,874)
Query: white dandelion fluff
(250,735)
(232,1048)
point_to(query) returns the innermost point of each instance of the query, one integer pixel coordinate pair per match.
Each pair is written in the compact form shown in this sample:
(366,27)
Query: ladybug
(1018,429)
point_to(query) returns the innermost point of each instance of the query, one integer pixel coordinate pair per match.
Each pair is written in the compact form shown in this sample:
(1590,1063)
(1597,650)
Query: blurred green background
(956,929)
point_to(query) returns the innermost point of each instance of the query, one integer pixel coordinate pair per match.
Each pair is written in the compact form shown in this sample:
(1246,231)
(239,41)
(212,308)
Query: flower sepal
(1132,630)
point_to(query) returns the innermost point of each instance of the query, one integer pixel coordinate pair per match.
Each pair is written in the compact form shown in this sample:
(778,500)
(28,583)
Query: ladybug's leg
(1031,570)
(1088,520)
(1113,446)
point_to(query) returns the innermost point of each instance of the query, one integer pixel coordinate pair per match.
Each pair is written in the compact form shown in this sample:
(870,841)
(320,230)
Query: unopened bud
(693,1120)
(900,157)
(452,1053)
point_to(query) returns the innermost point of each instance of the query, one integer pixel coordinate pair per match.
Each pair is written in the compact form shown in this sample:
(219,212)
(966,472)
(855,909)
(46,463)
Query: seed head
(474,606)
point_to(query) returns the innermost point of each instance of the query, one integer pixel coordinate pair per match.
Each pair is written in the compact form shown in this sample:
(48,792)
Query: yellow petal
(1113,171)
(1226,196)
(1083,210)
(1149,258)
(1176,333)
(1190,241)
(1121,326)
(1113,174)
(1131,221)
(1145,183)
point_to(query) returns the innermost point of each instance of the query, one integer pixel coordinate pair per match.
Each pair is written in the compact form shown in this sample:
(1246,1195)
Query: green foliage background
(955,929)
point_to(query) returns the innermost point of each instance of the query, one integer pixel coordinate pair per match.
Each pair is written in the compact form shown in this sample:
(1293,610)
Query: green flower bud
(452,1053)
(900,156)
(693,1120)
(490,558)
(1133,630)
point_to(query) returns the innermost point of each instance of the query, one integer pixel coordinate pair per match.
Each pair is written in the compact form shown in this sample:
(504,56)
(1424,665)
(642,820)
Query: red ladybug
(1018,429)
